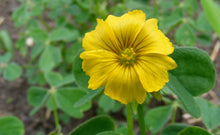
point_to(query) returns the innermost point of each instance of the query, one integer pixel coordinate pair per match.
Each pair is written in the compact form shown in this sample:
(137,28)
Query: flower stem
(141,120)
(56,115)
(155,8)
(174,115)
(130,119)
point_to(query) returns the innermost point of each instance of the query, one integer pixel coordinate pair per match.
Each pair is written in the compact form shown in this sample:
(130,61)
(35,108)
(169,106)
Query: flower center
(127,56)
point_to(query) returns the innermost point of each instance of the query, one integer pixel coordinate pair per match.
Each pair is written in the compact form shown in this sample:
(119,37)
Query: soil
(13,95)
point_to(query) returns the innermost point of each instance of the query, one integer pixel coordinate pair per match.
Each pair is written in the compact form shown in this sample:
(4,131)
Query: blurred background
(26,24)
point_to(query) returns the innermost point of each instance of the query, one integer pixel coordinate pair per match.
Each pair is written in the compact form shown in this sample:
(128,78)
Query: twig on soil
(1,20)
(215,50)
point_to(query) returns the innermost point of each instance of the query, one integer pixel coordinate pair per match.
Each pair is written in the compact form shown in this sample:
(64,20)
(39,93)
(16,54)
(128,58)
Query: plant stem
(155,8)
(45,24)
(141,120)
(130,119)
(56,115)
(174,114)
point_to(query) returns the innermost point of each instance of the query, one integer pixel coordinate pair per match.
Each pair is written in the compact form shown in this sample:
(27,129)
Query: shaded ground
(13,95)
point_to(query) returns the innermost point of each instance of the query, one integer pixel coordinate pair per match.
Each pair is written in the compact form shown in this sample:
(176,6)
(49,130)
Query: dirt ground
(13,95)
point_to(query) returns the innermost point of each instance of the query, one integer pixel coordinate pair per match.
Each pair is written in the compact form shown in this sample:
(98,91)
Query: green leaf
(168,21)
(191,6)
(195,70)
(21,15)
(122,130)
(63,34)
(165,5)
(185,97)
(194,75)
(106,103)
(67,97)
(10,125)
(37,9)
(80,76)
(44,100)
(36,95)
(157,117)
(32,23)
(72,51)
(185,35)
(108,133)
(50,58)
(94,126)
(21,45)
(173,129)
(65,118)
(83,16)
(212,12)
(38,34)
(66,80)
(5,58)
(37,49)
(209,113)
(53,78)
(5,41)
(205,39)
(202,24)
(88,97)
(194,131)
(119,9)
(35,77)
(74,10)
(12,72)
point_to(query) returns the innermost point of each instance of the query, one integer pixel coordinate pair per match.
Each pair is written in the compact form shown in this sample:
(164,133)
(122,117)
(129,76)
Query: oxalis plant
(121,62)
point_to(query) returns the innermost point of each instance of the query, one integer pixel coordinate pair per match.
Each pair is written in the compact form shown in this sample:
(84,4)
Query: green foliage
(212,12)
(194,67)
(36,95)
(157,117)
(209,113)
(194,131)
(106,103)
(12,71)
(10,125)
(80,76)
(88,97)
(174,129)
(63,34)
(108,133)
(50,58)
(185,35)
(191,6)
(5,41)
(53,78)
(94,126)
(5,58)
(67,97)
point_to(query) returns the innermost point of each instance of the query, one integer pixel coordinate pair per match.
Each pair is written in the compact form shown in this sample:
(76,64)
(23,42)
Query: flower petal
(152,40)
(124,85)
(153,69)
(98,64)
(127,27)
(101,38)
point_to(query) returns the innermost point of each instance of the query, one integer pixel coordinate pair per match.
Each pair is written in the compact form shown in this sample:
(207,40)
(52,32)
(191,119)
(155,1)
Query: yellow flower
(127,55)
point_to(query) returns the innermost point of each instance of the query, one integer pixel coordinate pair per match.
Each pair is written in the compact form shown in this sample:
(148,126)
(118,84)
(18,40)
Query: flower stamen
(127,56)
